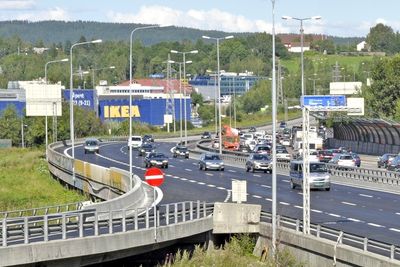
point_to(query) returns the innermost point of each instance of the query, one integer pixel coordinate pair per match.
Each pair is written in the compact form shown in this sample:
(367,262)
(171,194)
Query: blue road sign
(323,100)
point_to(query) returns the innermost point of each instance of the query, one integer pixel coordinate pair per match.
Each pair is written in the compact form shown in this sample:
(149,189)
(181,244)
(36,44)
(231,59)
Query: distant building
(345,88)
(362,46)
(293,43)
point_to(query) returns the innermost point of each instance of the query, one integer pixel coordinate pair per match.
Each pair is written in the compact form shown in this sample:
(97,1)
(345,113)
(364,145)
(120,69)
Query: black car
(385,160)
(181,151)
(206,135)
(156,159)
(145,149)
(147,138)
(252,129)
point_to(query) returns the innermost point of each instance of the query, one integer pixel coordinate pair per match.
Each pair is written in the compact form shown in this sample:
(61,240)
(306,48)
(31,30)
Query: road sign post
(155,178)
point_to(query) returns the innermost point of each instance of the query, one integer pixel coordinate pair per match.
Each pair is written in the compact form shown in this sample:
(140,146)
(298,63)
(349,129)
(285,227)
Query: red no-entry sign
(154,177)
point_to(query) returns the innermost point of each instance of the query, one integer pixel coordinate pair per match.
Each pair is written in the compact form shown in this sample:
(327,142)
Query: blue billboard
(85,98)
(19,106)
(150,111)
(323,100)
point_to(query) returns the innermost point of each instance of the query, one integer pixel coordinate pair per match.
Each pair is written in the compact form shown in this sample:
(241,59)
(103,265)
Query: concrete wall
(317,252)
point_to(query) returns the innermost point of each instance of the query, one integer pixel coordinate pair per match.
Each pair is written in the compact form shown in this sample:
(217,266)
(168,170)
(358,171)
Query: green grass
(237,252)
(26,182)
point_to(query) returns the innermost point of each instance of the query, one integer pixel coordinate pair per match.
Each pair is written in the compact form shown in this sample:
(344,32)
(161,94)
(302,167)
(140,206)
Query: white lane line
(194,164)
(397,213)
(184,179)
(192,181)
(362,195)
(228,196)
(168,175)
(317,211)
(173,166)
(201,183)
(221,188)
(231,171)
(348,203)
(255,196)
(176,177)
(353,220)
(189,170)
(334,215)
(375,225)
(286,181)
(256,175)
(266,186)
(300,193)
(395,230)
(299,207)
(284,203)
(268,199)
(211,185)
(209,174)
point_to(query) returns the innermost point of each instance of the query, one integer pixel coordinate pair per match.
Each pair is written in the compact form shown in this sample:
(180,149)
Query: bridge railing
(69,225)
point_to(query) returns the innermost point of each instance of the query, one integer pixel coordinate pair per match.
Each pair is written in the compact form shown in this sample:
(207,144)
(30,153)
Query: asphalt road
(358,211)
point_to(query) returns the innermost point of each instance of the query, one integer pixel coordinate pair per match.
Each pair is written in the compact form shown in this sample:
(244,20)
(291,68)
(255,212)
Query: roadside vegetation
(26,182)
(237,252)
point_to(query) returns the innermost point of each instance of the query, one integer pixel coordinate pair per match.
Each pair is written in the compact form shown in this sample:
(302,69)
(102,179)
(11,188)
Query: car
(394,165)
(343,160)
(319,175)
(258,162)
(156,159)
(145,149)
(282,154)
(215,143)
(211,161)
(135,142)
(357,159)
(148,138)
(206,135)
(91,145)
(181,151)
(252,129)
(282,125)
(325,155)
(385,160)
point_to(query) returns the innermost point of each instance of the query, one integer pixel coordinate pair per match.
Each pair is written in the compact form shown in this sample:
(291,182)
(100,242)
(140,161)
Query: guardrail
(86,223)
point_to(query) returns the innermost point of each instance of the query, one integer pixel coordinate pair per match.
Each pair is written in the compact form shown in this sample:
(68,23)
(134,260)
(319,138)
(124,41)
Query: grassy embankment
(237,252)
(26,182)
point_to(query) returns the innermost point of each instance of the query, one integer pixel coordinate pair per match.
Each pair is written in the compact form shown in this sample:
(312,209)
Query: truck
(230,138)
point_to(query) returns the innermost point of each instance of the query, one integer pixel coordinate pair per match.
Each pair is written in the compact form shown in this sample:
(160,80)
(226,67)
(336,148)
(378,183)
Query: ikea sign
(121,112)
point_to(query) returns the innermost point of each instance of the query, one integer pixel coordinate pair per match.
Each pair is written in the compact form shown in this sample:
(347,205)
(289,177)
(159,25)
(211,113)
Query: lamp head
(112,67)
(228,37)
(316,17)
(64,60)
(206,37)
(96,41)
(194,52)
(286,17)
(174,51)
(188,62)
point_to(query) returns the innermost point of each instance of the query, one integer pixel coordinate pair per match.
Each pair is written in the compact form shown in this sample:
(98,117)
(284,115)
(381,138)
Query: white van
(319,175)
(135,142)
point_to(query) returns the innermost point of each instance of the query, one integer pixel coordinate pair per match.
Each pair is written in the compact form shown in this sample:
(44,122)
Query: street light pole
(45,80)
(305,148)
(219,86)
(184,91)
(71,102)
(130,96)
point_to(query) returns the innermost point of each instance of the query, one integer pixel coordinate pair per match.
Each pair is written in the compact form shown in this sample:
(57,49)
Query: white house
(361,46)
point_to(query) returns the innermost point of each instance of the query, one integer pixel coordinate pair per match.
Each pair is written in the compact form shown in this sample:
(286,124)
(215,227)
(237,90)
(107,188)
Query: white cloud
(55,13)
(213,19)
(16,4)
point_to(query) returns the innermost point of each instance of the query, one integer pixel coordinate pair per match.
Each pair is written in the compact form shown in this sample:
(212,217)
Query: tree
(381,38)
(197,99)
(10,125)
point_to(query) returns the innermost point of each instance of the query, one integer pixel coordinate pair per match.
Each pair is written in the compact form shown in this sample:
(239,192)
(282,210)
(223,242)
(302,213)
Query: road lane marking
(194,163)
(397,213)
(286,181)
(209,174)
(228,196)
(176,177)
(211,185)
(284,203)
(256,175)
(348,203)
(268,199)
(334,215)
(189,170)
(184,179)
(394,229)
(299,207)
(266,186)
(353,220)
(317,211)
(255,196)
(173,166)
(362,195)
(192,181)
(231,171)
(221,188)
(375,225)
(201,183)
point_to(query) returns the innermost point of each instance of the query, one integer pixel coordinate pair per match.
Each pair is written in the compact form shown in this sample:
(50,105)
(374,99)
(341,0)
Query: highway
(358,211)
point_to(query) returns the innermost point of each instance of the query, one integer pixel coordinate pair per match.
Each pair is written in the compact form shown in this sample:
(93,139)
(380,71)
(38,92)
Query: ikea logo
(121,112)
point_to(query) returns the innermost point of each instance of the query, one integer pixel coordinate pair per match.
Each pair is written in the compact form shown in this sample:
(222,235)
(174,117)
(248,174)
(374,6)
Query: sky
(345,18)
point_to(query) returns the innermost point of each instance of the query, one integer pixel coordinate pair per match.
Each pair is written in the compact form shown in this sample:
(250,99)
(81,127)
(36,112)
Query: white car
(282,154)
(343,160)
(135,142)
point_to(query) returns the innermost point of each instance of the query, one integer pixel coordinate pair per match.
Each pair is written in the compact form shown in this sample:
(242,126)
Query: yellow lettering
(124,111)
(106,111)
(115,112)
(135,112)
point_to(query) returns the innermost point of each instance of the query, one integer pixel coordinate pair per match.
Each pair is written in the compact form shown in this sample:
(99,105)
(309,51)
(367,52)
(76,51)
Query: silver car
(258,162)
(209,161)
(91,145)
